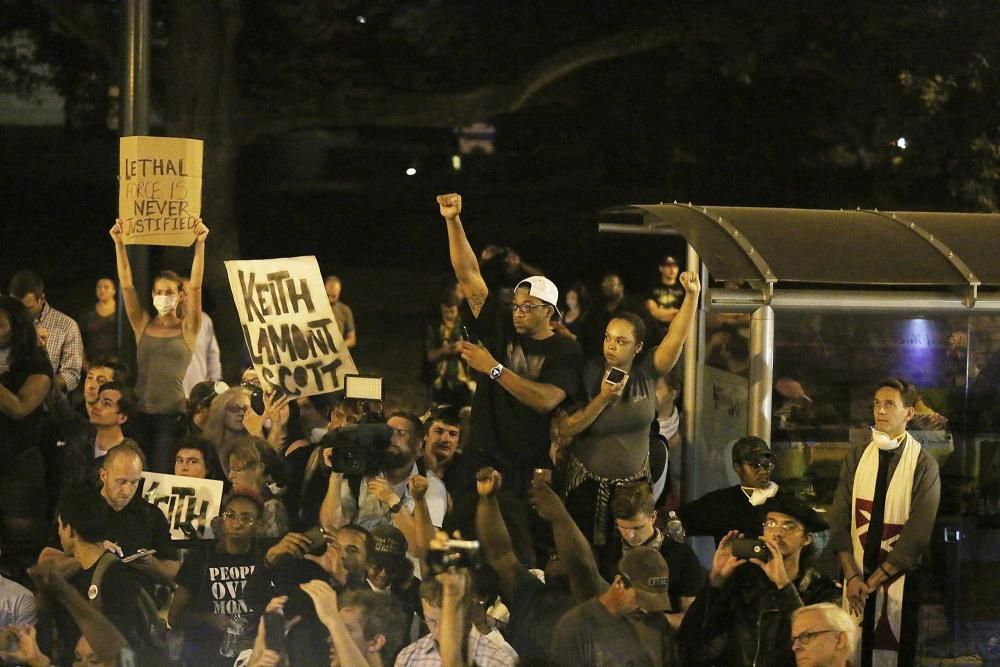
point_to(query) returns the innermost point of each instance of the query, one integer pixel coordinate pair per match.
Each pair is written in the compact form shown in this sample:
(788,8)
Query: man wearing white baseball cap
(527,371)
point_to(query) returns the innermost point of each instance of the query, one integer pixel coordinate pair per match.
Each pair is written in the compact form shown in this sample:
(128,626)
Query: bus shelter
(803,311)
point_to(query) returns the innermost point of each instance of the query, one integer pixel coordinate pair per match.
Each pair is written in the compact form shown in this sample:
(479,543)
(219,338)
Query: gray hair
(838,619)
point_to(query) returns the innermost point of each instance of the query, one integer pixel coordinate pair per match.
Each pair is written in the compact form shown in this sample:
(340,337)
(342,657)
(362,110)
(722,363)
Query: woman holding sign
(164,345)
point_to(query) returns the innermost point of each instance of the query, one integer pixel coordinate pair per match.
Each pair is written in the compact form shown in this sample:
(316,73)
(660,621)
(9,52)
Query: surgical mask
(884,441)
(164,303)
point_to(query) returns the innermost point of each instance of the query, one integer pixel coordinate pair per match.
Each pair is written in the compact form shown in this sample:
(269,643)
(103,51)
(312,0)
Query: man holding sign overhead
(527,371)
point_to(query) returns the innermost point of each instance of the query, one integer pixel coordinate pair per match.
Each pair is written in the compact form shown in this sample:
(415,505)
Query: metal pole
(845,301)
(135,121)
(694,354)
(761,373)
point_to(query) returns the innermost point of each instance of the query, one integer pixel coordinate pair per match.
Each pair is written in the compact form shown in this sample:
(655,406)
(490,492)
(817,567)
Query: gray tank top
(162,365)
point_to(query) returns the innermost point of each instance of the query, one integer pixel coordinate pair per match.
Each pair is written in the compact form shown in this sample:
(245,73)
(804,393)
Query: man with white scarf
(890,487)
(735,507)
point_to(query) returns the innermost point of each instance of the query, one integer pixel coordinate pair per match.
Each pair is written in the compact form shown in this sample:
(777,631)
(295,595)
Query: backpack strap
(94,592)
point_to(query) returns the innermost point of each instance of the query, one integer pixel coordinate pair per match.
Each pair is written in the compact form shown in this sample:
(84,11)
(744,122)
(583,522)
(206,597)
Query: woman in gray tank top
(612,429)
(164,343)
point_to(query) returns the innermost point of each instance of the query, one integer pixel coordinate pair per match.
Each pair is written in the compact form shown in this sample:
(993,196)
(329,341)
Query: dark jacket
(747,621)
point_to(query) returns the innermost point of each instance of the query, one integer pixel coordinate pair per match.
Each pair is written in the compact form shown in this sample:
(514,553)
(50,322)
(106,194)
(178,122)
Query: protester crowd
(527,514)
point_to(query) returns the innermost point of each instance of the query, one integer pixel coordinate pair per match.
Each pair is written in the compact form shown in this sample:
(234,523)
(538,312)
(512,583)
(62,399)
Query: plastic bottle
(675,529)
(234,634)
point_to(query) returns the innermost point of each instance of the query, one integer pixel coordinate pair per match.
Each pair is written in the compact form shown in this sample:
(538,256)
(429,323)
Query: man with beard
(384,499)
(743,616)
(735,507)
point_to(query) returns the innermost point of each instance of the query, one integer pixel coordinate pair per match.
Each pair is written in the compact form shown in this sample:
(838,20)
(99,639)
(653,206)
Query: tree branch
(360,107)
(80,19)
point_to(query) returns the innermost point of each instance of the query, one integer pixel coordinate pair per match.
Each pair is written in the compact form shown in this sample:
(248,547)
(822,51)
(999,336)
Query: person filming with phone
(744,615)
(612,428)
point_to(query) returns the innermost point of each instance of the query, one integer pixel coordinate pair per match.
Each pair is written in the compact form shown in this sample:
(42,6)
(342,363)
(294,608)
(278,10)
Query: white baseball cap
(542,288)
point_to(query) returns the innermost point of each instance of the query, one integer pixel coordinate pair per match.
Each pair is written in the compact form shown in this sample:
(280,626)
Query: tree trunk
(201,88)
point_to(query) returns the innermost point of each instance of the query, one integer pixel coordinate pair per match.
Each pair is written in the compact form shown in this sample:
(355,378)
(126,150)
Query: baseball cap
(389,543)
(668,259)
(542,288)
(206,391)
(648,573)
(788,504)
(751,449)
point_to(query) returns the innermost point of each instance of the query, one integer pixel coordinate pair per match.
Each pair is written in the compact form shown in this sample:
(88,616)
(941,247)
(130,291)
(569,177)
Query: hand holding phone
(747,548)
(141,553)
(274,630)
(615,375)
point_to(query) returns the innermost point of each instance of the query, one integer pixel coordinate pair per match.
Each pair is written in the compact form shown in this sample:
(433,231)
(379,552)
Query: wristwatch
(496,371)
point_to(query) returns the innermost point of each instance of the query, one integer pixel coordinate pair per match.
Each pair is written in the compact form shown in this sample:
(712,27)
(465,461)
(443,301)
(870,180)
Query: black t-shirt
(534,611)
(721,511)
(666,296)
(216,581)
(19,435)
(687,576)
(141,526)
(502,426)
(119,593)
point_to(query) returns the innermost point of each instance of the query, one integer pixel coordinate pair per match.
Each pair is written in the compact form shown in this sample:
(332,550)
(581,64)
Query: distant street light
(901,143)
(411,171)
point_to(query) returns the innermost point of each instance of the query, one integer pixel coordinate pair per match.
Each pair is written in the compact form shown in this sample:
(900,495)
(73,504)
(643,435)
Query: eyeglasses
(786,526)
(242,519)
(763,466)
(527,307)
(806,637)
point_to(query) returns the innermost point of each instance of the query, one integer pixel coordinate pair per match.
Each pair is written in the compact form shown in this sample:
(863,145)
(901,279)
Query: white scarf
(889,596)
(759,496)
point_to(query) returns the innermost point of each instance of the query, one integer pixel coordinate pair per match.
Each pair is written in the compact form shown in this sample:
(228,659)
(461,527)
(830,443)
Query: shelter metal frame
(767,249)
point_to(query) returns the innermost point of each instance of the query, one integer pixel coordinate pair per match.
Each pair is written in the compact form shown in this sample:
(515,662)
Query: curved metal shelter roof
(770,246)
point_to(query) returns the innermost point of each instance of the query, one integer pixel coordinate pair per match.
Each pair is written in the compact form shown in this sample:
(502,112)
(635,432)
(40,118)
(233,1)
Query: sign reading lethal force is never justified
(159,189)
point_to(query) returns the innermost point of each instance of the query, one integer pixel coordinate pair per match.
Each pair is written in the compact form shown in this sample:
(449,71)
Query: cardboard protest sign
(159,189)
(294,341)
(189,503)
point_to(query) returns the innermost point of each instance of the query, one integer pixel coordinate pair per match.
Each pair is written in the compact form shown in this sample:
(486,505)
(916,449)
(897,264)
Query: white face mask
(883,440)
(164,303)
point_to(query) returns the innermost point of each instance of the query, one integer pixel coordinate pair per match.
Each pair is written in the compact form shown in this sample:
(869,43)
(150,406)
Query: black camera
(461,554)
(357,448)
(747,548)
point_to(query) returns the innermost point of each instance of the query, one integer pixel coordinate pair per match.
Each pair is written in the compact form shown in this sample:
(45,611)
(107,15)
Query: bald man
(133,524)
